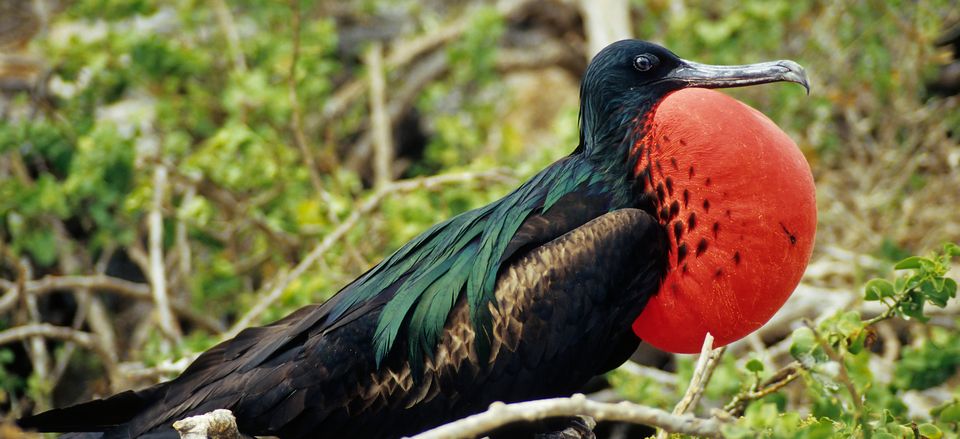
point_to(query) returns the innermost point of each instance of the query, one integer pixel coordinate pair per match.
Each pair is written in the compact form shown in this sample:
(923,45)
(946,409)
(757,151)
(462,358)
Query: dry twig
(125,288)
(606,21)
(218,424)
(501,414)
(657,375)
(709,358)
(229,27)
(779,380)
(158,273)
(379,120)
(80,338)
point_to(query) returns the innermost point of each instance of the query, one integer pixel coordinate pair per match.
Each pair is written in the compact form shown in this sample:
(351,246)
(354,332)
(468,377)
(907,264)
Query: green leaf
(930,431)
(933,294)
(878,288)
(913,262)
(858,342)
(951,249)
(950,287)
(849,323)
(755,365)
(803,342)
(949,413)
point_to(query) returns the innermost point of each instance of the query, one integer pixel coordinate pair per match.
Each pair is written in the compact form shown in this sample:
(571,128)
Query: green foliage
(844,341)
(461,135)
(930,363)
(927,283)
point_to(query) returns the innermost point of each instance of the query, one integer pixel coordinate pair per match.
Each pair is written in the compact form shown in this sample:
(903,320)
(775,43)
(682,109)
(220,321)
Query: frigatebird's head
(631,77)
(733,193)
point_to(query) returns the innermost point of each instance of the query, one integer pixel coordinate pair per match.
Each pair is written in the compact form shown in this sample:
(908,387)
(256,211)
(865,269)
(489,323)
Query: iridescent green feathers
(461,255)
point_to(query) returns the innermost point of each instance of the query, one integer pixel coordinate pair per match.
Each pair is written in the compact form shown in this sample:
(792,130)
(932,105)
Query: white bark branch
(80,338)
(218,424)
(605,22)
(158,276)
(501,414)
(380,124)
(709,358)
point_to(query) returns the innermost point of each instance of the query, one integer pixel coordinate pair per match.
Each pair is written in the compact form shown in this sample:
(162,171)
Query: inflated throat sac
(737,199)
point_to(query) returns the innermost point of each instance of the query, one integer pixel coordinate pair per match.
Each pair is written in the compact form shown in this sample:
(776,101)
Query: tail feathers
(95,416)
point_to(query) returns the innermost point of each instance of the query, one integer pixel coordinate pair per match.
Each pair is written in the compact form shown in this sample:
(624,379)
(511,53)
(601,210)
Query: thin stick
(49,331)
(158,279)
(182,245)
(380,124)
(501,414)
(225,19)
(657,375)
(132,290)
(706,364)
(36,346)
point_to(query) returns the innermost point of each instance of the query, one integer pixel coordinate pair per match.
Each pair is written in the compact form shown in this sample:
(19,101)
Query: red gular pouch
(737,199)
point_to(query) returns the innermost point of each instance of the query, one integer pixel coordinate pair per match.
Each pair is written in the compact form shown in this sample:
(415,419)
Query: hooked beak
(693,74)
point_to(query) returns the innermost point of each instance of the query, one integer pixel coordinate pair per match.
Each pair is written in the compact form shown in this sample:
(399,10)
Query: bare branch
(706,364)
(122,287)
(779,380)
(657,375)
(709,358)
(501,414)
(36,349)
(380,124)
(605,22)
(137,371)
(280,285)
(46,330)
(158,276)
(182,248)
(218,424)
(12,296)
(227,24)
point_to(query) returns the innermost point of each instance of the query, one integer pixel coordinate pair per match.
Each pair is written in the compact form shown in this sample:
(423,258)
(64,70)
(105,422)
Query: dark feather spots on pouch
(701,246)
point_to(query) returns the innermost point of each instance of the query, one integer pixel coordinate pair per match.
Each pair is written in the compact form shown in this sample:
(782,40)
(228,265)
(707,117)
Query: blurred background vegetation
(232,161)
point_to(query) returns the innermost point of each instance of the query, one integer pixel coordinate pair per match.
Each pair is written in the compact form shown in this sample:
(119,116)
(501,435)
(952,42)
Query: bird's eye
(645,62)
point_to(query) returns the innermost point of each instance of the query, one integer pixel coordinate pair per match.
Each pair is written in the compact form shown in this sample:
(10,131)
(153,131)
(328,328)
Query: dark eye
(645,62)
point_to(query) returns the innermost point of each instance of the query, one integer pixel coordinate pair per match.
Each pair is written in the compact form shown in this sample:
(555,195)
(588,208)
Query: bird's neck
(611,126)
(610,133)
